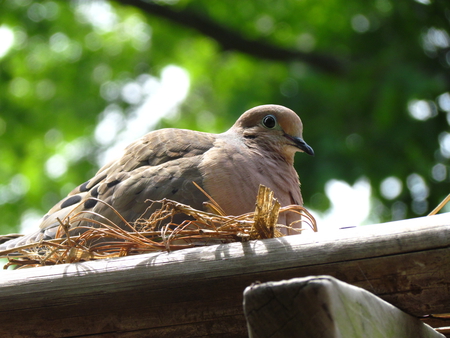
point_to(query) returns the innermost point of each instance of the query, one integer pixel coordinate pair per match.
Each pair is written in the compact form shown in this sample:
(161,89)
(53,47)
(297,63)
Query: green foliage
(63,71)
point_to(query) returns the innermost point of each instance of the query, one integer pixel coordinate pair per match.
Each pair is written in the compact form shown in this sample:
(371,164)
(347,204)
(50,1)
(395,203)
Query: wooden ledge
(324,307)
(198,292)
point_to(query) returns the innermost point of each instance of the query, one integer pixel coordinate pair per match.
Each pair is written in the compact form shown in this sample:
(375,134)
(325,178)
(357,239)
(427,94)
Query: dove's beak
(301,144)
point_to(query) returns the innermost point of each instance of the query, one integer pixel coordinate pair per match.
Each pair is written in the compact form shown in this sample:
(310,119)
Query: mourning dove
(258,149)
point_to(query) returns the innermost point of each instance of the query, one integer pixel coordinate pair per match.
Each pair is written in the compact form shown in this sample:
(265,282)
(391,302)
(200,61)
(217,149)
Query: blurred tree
(369,79)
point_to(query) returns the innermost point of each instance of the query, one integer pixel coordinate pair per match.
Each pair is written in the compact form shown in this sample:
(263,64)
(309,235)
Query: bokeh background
(79,80)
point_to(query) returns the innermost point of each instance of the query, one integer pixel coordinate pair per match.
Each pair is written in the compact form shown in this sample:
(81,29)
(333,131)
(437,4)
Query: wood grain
(198,292)
(324,307)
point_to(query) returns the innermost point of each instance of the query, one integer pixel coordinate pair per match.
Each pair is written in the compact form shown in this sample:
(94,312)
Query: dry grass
(440,206)
(158,233)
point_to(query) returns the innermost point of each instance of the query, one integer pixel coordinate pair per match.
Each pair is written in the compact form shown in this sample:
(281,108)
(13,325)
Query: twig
(440,206)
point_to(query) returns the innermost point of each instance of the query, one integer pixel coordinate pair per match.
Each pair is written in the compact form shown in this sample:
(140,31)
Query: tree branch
(232,40)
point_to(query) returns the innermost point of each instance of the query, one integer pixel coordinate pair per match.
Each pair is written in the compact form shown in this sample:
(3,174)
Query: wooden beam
(198,292)
(324,307)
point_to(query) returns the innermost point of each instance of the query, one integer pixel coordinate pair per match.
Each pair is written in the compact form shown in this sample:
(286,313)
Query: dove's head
(273,128)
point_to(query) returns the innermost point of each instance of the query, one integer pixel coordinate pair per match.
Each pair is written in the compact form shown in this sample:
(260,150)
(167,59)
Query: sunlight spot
(439,37)
(265,24)
(435,39)
(93,41)
(76,150)
(444,142)
(110,91)
(160,98)
(5,194)
(6,40)
(53,137)
(419,193)
(110,124)
(131,93)
(399,210)
(56,166)
(384,6)
(138,31)
(102,73)
(444,102)
(45,89)
(67,153)
(18,186)
(20,38)
(419,207)
(421,109)
(28,221)
(391,187)
(99,14)
(52,10)
(417,186)
(306,42)
(59,42)
(22,3)
(350,205)
(439,172)
(19,87)
(360,23)
(37,12)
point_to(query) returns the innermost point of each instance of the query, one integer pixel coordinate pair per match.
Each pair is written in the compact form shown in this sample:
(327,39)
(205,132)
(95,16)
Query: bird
(168,163)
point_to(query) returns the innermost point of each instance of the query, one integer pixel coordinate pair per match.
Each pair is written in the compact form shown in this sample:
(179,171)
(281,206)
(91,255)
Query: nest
(106,239)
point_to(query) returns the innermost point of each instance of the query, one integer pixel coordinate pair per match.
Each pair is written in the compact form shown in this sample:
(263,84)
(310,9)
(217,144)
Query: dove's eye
(269,121)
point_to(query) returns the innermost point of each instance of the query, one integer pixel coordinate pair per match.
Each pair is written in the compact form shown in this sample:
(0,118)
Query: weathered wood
(440,322)
(324,307)
(198,292)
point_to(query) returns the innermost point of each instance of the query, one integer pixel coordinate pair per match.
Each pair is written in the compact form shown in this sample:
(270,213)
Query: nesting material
(158,233)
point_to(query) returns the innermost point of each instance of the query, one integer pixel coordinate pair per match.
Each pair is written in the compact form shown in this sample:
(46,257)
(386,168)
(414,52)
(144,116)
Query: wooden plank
(198,292)
(324,307)
(440,322)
